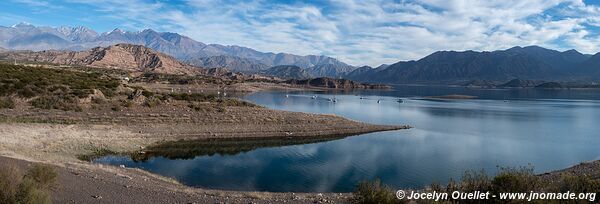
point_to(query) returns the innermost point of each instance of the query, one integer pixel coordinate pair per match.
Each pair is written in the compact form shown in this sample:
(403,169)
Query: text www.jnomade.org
(479,195)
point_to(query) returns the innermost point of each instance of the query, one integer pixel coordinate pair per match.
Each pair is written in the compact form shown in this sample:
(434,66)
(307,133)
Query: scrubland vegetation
(507,180)
(65,89)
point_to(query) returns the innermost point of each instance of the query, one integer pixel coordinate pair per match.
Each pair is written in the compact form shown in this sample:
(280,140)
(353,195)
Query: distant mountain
(230,62)
(326,82)
(287,72)
(28,37)
(566,61)
(451,67)
(359,72)
(333,70)
(365,72)
(590,69)
(135,58)
(78,34)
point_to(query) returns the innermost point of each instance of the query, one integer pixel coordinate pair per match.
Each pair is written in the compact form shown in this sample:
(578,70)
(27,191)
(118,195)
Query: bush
(6,102)
(507,180)
(152,102)
(43,175)
(374,192)
(193,97)
(475,181)
(516,180)
(61,102)
(29,192)
(31,188)
(10,178)
(574,183)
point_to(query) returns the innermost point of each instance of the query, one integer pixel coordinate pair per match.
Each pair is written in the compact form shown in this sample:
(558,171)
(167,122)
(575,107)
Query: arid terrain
(65,115)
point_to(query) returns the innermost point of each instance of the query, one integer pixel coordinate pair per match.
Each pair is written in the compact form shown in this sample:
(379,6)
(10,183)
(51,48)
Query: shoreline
(32,140)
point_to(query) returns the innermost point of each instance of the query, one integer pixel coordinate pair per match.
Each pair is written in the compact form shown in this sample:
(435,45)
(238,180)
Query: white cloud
(369,31)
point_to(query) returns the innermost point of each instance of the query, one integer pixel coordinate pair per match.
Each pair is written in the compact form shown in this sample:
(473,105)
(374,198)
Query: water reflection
(504,128)
(189,149)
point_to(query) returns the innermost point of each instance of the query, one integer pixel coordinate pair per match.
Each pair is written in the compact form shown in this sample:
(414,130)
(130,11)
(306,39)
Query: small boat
(361,98)
(378,101)
(334,100)
(313,97)
(400,100)
(287,96)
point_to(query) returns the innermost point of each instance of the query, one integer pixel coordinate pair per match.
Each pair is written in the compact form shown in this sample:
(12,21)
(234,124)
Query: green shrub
(29,82)
(61,102)
(30,193)
(147,93)
(475,181)
(10,178)
(516,180)
(43,175)
(33,188)
(193,97)
(6,102)
(575,183)
(374,192)
(507,180)
(152,102)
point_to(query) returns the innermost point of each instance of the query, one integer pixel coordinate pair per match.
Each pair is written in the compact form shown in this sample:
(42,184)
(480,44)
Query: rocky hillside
(325,82)
(127,57)
(229,62)
(287,72)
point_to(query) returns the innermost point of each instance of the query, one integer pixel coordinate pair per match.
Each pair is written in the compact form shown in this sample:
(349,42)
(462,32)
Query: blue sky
(358,32)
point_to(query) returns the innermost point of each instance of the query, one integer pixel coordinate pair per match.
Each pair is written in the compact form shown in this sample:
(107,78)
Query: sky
(358,32)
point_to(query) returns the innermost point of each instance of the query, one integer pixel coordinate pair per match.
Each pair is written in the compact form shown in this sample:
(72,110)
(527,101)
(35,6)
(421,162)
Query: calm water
(547,129)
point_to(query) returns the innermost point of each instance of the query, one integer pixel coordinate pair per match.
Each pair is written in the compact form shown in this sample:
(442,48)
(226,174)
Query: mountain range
(134,58)
(442,67)
(25,36)
(452,67)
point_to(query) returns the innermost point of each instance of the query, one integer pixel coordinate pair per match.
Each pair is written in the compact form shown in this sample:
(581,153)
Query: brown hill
(135,58)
